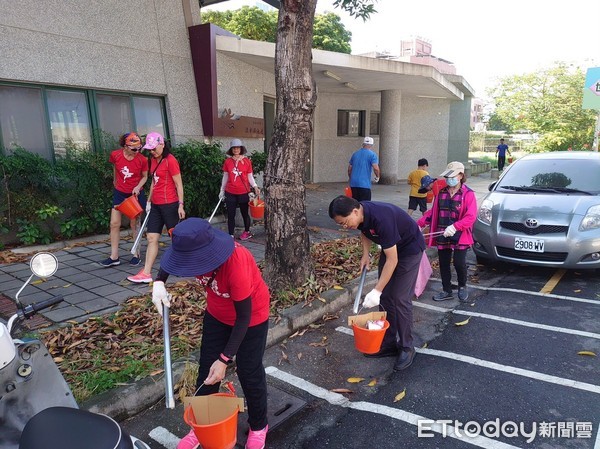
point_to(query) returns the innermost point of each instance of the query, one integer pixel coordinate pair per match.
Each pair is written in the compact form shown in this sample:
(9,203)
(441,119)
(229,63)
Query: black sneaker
(463,293)
(442,296)
(110,262)
(135,261)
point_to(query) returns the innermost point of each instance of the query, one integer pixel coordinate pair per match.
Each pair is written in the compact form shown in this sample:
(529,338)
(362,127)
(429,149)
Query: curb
(124,402)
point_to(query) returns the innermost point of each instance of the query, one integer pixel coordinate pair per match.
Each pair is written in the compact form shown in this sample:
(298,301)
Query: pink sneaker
(189,441)
(140,278)
(256,438)
(246,235)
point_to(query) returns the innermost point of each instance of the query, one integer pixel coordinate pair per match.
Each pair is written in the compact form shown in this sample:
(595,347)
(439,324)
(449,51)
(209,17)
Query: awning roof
(356,73)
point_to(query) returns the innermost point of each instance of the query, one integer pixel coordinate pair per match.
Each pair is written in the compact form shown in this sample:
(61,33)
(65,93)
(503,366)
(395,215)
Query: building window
(114,114)
(22,121)
(374,123)
(69,120)
(351,123)
(148,112)
(47,120)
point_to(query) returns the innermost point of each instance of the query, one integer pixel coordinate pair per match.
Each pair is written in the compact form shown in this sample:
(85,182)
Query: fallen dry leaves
(134,334)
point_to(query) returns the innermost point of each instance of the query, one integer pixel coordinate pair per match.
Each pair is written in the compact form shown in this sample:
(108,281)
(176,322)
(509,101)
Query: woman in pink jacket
(453,215)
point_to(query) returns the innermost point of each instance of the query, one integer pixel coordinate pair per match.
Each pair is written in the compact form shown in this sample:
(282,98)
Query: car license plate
(533,245)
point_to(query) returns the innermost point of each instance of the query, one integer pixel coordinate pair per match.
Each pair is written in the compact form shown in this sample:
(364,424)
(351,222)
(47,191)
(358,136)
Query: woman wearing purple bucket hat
(236,320)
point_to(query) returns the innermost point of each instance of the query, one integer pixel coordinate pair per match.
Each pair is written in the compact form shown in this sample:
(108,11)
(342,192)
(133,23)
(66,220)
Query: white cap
(368,141)
(453,169)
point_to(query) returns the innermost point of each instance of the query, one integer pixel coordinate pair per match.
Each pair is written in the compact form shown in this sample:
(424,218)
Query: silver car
(544,211)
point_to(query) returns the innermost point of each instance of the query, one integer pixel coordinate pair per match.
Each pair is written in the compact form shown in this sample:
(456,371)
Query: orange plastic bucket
(218,435)
(348,191)
(257,211)
(429,197)
(368,341)
(130,207)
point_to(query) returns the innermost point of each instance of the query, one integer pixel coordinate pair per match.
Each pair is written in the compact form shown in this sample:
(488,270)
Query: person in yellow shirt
(416,199)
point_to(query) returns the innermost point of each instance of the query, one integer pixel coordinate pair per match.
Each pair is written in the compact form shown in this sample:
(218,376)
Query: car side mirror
(492,185)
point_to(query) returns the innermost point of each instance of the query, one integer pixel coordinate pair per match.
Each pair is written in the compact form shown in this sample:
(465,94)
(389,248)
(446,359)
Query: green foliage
(548,103)
(201,173)
(259,161)
(329,33)
(75,191)
(357,8)
(246,22)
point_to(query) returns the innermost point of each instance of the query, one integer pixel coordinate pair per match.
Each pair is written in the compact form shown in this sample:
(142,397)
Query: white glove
(148,206)
(222,195)
(376,179)
(160,296)
(372,299)
(449,231)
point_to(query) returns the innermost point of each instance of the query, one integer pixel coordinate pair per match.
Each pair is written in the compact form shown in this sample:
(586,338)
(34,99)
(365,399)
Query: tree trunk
(287,253)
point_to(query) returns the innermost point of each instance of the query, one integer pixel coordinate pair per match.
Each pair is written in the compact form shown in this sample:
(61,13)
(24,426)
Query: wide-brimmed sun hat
(197,249)
(453,169)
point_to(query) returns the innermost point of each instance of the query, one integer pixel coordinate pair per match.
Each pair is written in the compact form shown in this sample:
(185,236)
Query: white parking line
(527,292)
(563,330)
(391,412)
(497,366)
(164,437)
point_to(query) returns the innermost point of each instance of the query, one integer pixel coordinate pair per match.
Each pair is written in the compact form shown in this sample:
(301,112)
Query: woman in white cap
(453,215)
(236,320)
(238,181)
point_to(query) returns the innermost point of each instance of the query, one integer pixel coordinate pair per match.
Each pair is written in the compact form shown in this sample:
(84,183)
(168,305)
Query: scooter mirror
(43,265)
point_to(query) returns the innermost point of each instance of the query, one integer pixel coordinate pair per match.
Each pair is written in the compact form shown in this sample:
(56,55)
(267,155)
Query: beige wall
(64,43)
(424,133)
(242,88)
(330,152)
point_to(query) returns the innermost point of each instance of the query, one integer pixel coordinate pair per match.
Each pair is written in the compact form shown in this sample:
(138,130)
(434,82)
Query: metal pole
(169,397)
(138,238)
(215,211)
(361,283)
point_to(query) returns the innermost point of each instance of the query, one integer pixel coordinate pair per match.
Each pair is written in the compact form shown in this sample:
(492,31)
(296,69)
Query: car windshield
(580,177)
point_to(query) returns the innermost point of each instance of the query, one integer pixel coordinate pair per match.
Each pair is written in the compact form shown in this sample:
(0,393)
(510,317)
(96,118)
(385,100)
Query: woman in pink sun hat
(165,201)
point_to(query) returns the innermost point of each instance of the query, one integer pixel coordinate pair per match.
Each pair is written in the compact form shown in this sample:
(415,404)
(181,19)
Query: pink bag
(423,276)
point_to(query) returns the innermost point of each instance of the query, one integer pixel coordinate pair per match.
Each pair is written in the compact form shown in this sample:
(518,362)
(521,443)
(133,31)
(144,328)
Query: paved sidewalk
(91,290)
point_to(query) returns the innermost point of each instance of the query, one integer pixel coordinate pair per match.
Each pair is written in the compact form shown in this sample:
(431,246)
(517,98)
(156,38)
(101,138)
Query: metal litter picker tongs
(361,283)
(169,397)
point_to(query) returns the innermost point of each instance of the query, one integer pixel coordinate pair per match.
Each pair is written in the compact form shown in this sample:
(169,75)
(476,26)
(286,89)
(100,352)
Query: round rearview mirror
(43,265)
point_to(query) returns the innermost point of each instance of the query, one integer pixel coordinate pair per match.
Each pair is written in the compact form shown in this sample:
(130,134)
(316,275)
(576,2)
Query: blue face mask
(452,182)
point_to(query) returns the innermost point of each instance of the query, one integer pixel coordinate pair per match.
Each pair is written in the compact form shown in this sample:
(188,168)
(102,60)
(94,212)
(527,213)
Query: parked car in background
(543,211)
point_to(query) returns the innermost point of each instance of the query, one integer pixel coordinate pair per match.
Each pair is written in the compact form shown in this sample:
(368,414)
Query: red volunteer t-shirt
(128,173)
(237,183)
(165,190)
(235,280)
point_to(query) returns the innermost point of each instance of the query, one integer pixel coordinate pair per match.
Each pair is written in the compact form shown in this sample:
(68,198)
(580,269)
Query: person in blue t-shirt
(359,170)
(501,153)
(402,247)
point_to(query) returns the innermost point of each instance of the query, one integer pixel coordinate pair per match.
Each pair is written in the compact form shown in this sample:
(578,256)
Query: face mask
(452,182)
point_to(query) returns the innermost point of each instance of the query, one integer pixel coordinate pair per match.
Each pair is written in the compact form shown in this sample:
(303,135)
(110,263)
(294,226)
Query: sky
(485,40)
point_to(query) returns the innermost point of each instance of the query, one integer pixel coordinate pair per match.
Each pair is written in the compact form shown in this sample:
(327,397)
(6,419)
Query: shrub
(201,173)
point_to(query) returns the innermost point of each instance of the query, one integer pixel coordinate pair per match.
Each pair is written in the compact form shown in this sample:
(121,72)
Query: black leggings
(460,265)
(249,364)
(232,201)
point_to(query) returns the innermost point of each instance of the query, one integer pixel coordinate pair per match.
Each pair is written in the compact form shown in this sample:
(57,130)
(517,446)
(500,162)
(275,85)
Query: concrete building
(73,70)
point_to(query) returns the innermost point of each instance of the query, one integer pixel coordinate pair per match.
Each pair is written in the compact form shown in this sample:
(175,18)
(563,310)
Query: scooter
(37,407)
